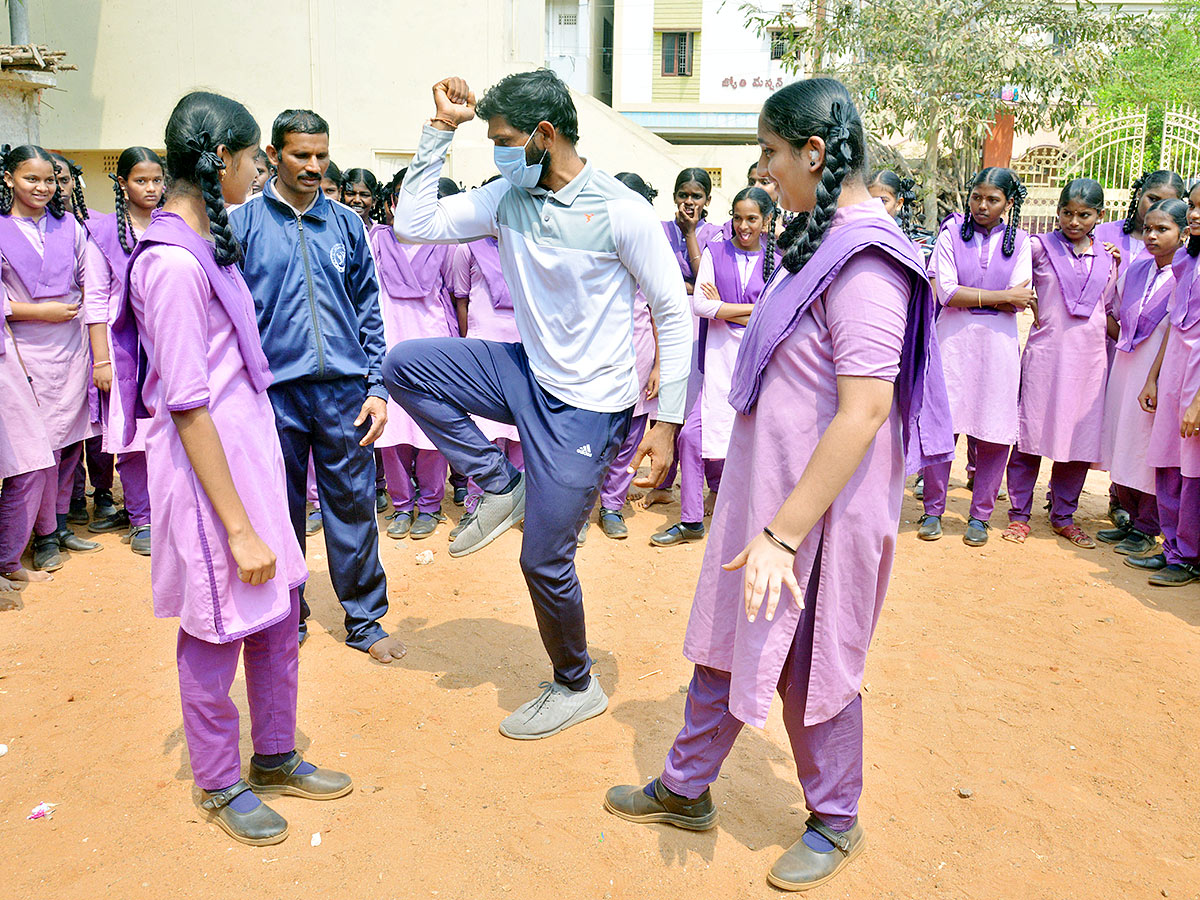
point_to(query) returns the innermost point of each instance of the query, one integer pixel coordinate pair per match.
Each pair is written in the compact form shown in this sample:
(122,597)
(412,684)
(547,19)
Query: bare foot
(387,649)
(710,503)
(27,575)
(652,497)
(10,600)
(634,494)
(7,586)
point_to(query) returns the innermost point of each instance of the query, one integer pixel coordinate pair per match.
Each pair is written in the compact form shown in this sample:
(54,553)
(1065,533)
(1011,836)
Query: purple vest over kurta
(966,260)
(487,256)
(1081,290)
(1139,315)
(44,275)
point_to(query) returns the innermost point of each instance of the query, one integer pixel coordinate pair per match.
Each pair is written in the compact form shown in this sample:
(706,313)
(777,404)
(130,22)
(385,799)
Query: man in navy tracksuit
(313,280)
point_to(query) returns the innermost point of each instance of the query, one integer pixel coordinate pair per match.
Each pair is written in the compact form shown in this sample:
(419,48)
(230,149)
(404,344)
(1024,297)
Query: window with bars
(677,52)
(778,45)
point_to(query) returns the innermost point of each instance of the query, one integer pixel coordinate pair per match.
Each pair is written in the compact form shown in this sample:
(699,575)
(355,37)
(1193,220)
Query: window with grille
(778,45)
(677,52)
(568,18)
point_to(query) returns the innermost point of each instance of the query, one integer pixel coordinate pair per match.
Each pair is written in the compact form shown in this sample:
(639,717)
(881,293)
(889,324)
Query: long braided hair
(200,123)
(129,158)
(1010,185)
(817,107)
(11,158)
(1140,186)
(78,203)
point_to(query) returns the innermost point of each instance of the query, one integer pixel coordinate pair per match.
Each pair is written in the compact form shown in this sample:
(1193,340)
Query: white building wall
(736,66)
(633,52)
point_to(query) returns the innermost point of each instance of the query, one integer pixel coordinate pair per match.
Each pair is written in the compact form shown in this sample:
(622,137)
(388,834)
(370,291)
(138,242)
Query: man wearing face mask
(575,244)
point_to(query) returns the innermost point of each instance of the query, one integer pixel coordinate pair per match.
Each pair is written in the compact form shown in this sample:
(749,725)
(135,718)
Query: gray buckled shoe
(259,827)
(1114,535)
(976,534)
(494,515)
(401,523)
(1135,543)
(677,534)
(139,540)
(612,522)
(423,526)
(117,520)
(632,802)
(319,784)
(931,528)
(555,709)
(46,557)
(802,868)
(919,488)
(1118,516)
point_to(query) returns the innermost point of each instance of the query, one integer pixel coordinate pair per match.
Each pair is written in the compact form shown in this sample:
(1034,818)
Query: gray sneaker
(494,515)
(557,708)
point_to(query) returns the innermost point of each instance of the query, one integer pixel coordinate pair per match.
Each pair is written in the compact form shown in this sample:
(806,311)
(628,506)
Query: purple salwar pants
(990,460)
(403,464)
(1142,507)
(68,462)
(1179,515)
(694,470)
(210,717)
(132,469)
(21,510)
(829,755)
(1066,484)
(615,487)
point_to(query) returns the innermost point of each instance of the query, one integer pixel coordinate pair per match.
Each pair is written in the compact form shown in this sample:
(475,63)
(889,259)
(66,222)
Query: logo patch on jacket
(337,256)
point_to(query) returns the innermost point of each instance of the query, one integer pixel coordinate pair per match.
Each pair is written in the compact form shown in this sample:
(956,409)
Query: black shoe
(1147,563)
(1118,516)
(259,827)
(677,534)
(103,505)
(139,540)
(382,500)
(423,526)
(69,540)
(460,496)
(46,557)
(1175,575)
(402,520)
(319,784)
(629,801)
(118,520)
(931,528)
(1114,535)
(919,488)
(77,514)
(1135,544)
(976,534)
(613,524)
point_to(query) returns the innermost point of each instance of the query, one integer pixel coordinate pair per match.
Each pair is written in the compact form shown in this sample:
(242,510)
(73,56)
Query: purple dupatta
(920,385)
(1185,307)
(1081,292)
(705,232)
(47,274)
(996,276)
(1141,312)
(129,356)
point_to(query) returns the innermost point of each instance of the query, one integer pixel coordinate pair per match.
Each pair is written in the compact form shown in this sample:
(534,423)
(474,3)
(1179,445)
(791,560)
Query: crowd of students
(815,364)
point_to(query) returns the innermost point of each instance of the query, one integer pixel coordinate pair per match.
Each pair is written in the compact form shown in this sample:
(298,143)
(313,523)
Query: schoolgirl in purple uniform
(1138,326)
(730,279)
(1172,394)
(42,272)
(1064,366)
(689,233)
(837,384)
(138,186)
(982,271)
(226,561)
(1149,188)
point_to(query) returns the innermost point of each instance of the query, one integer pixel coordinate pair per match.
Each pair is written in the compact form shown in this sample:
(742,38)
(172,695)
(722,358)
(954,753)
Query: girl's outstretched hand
(255,560)
(768,571)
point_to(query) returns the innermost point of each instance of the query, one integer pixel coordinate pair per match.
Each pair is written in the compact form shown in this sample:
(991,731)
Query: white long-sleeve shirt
(573,260)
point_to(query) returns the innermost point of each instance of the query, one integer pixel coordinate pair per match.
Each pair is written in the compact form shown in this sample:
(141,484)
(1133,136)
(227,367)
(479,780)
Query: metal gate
(1111,150)
(1181,142)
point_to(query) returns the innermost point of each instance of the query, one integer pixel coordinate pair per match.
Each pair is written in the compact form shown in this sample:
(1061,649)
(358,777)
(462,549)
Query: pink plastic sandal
(1016,532)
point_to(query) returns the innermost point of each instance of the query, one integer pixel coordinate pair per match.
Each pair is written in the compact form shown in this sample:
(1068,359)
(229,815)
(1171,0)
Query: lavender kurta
(981,354)
(24,446)
(57,355)
(1065,364)
(856,329)
(405,318)
(484,320)
(104,289)
(720,351)
(645,348)
(1114,233)
(1126,432)
(1179,378)
(195,361)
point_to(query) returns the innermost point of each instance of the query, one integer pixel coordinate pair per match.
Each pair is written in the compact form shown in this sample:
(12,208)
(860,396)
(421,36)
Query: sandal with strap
(259,827)
(1016,532)
(1076,536)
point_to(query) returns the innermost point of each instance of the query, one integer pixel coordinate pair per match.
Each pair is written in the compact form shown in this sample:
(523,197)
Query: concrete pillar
(997,148)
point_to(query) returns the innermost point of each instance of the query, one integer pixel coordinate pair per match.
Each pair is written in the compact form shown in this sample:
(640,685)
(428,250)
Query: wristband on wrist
(775,539)
(453,126)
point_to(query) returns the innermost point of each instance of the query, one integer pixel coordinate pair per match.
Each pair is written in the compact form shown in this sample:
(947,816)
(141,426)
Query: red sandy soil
(1050,685)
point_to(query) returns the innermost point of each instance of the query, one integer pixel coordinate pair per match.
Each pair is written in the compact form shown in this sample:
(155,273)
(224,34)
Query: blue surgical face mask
(511,163)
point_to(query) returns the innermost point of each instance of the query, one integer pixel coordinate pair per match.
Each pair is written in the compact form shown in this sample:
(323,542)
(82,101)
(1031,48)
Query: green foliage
(937,70)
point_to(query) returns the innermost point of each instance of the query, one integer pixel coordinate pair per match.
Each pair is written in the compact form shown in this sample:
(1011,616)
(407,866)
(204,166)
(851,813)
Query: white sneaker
(557,708)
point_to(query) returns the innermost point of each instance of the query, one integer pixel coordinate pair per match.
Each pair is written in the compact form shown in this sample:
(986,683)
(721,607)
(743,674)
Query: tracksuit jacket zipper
(312,301)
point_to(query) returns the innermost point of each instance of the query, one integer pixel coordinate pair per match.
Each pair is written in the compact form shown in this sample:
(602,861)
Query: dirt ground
(1050,686)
